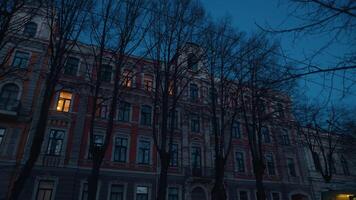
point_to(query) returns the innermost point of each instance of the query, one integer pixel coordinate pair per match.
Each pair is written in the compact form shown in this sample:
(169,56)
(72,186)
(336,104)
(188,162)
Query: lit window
(146,115)
(127,81)
(265,135)
(173,193)
(71,66)
(105,73)
(193,92)
(194,123)
(9,97)
(141,193)
(21,59)
(124,111)
(240,162)
(148,82)
(291,167)
(120,149)
(144,151)
(117,192)
(45,190)
(30,29)
(64,101)
(270,165)
(2,135)
(55,142)
(173,162)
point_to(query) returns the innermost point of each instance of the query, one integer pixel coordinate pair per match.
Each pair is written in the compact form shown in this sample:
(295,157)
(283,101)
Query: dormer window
(192,62)
(30,29)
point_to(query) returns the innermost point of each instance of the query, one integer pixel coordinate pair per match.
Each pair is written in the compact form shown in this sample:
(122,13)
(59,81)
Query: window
(193,92)
(285,137)
(148,82)
(265,135)
(291,167)
(243,195)
(21,59)
(45,190)
(175,121)
(120,151)
(236,133)
(332,165)
(280,110)
(55,142)
(127,81)
(30,29)
(194,123)
(344,164)
(71,66)
(9,97)
(141,193)
(240,162)
(2,134)
(124,111)
(146,115)
(106,71)
(192,62)
(270,165)
(173,193)
(64,101)
(144,148)
(316,160)
(84,193)
(101,109)
(117,192)
(196,157)
(276,196)
(173,162)
(98,142)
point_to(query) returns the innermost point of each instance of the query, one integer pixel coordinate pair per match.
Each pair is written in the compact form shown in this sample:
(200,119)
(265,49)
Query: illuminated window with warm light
(64,101)
(127,75)
(148,82)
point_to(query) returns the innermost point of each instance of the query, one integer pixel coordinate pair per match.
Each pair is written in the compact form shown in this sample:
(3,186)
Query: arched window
(9,97)
(30,29)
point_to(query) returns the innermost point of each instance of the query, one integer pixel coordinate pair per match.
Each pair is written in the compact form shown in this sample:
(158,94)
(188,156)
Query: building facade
(130,167)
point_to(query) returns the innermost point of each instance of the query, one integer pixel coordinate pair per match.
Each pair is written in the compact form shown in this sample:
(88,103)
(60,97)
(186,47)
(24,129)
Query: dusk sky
(246,14)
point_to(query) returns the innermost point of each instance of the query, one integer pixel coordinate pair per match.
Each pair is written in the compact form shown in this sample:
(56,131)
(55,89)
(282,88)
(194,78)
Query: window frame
(276,192)
(45,178)
(294,174)
(196,127)
(138,161)
(124,111)
(143,185)
(268,164)
(243,190)
(144,120)
(50,144)
(117,183)
(64,99)
(30,34)
(29,55)
(127,151)
(243,162)
(2,135)
(176,155)
(76,71)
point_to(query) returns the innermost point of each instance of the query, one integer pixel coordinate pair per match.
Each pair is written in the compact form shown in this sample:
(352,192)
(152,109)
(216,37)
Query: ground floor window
(45,190)
(141,193)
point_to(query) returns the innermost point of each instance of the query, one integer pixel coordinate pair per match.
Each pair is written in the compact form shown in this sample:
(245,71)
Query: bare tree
(65,19)
(221,59)
(14,15)
(117,32)
(259,90)
(170,45)
(323,132)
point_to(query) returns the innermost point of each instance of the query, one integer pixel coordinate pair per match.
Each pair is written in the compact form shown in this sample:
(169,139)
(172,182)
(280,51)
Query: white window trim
(21,50)
(64,144)
(119,183)
(44,178)
(128,147)
(149,186)
(243,190)
(137,150)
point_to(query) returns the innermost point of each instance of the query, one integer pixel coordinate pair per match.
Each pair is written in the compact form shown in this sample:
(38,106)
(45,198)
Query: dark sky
(246,13)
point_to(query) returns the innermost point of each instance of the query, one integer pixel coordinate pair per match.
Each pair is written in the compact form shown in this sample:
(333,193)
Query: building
(130,167)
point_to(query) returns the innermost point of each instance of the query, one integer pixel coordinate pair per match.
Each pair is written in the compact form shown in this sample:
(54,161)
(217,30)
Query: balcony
(9,106)
(51,161)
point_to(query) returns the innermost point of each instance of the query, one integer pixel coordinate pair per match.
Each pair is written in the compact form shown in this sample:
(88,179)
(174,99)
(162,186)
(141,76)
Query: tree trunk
(94,177)
(219,192)
(162,184)
(36,145)
(261,195)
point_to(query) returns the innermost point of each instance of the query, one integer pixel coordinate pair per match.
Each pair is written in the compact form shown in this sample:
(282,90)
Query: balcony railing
(9,106)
